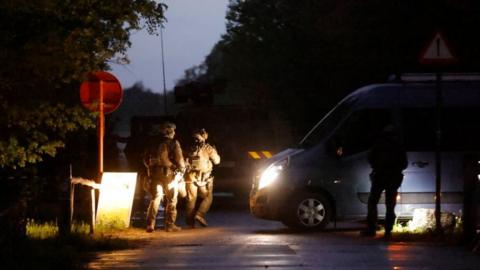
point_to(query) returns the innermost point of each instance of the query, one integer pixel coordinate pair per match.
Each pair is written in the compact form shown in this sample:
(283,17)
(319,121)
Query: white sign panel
(116,199)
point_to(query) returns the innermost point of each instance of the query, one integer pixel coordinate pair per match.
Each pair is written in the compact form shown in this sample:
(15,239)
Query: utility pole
(163,73)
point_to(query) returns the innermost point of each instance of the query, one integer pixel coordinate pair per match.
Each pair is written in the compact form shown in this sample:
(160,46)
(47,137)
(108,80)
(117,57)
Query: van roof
(408,93)
(432,77)
(455,93)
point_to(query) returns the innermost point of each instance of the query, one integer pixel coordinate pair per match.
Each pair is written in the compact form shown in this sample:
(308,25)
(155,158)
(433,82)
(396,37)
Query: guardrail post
(470,201)
(92,219)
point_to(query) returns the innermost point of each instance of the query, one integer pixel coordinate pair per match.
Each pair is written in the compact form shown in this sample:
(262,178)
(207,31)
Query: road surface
(236,240)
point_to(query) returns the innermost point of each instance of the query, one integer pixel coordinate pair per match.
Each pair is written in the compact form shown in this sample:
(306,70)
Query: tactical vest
(162,153)
(199,159)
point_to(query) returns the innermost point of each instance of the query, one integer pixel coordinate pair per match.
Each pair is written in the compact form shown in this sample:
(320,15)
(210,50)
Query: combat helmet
(167,129)
(200,134)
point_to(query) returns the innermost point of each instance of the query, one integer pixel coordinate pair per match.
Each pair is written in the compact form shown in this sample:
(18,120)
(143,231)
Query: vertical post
(438,153)
(101,130)
(470,179)
(92,219)
(72,200)
(72,203)
(163,73)
(101,134)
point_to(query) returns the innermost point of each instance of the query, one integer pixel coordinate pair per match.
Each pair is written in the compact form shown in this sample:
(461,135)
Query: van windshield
(327,124)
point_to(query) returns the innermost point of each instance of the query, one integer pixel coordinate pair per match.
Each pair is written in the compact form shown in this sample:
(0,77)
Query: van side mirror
(339,151)
(335,148)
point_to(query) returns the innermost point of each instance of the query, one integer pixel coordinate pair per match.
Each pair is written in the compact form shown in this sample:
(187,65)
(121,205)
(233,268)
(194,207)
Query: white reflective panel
(116,199)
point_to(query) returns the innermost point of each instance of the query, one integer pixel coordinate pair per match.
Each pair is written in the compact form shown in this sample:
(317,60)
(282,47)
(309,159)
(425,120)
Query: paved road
(236,240)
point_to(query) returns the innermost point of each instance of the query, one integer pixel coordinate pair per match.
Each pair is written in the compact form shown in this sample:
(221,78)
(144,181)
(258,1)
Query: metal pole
(438,154)
(92,219)
(101,130)
(101,134)
(72,200)
(163,73)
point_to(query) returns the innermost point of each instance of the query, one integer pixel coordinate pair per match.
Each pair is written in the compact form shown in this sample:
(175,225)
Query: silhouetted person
(388,159)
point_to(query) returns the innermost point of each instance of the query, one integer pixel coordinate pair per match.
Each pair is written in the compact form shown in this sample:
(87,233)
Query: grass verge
(405,232)
(44,248)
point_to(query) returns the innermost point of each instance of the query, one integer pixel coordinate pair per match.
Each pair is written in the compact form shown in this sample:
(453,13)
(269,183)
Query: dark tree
(46,49)
(304,56)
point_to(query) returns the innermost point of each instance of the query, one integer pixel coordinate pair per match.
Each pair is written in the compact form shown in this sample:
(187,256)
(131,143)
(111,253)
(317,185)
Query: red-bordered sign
(438,51)
(99,86)
(102,93)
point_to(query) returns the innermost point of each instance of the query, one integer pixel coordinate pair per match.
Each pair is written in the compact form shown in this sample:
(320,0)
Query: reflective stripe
(260,154)
(267,154)
(254,155)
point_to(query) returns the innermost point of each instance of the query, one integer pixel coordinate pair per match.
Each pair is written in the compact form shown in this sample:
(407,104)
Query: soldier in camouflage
(164,159)
(198,180)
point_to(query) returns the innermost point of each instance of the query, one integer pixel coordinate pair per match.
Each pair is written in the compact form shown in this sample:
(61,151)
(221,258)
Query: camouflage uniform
(164,159)
(198,180)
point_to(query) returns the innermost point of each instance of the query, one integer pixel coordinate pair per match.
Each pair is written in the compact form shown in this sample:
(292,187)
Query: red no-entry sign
(101,87)
(101,93)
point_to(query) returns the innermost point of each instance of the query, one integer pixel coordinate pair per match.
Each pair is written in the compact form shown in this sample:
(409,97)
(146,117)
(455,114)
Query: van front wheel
(308,212)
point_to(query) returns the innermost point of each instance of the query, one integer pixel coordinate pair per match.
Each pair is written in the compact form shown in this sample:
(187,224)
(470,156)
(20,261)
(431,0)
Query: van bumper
(268,203)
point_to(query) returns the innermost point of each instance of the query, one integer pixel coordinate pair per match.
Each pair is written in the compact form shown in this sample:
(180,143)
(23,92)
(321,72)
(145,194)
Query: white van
(327,175)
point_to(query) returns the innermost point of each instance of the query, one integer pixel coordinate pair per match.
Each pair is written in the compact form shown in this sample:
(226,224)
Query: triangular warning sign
(438,51)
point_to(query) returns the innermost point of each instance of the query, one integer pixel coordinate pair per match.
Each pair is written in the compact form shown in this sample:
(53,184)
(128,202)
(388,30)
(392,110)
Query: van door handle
(420,164)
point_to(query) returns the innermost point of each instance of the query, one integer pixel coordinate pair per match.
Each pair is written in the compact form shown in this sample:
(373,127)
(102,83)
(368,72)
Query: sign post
(438,54)
(101,128)
(101,93)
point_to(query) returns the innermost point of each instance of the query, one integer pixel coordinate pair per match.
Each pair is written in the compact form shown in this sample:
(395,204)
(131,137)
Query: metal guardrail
(93,186)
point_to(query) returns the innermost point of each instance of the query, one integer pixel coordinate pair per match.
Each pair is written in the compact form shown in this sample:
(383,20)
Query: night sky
(193,27)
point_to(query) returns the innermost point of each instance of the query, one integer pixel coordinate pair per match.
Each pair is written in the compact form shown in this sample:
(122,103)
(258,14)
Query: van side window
(419,127)
(359,131)
(326,125)
(461,129)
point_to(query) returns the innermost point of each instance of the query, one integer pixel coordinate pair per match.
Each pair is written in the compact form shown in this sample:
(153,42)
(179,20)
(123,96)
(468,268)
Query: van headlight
(271,173)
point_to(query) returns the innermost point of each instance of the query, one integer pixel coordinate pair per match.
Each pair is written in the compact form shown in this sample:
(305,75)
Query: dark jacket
(388,155)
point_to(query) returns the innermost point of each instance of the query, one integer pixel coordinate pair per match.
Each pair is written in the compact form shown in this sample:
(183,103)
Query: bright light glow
(421,217)
(176,181)
(271,174)
(116,199)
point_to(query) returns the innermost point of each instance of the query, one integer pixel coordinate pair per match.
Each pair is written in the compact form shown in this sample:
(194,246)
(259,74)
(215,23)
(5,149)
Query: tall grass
(46,230)
(41,230)
(46,248)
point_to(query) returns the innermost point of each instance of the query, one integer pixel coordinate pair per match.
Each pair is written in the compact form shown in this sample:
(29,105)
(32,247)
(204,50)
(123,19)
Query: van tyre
(308,211)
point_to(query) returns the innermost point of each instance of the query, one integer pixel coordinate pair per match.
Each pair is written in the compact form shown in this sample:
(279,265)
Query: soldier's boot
(201,220)
(150,227)
(190,223)
(387,236)
(172,228)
